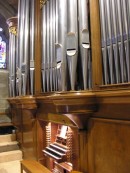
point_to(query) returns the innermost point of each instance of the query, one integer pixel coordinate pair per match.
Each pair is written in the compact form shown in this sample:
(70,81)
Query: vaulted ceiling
(8,8)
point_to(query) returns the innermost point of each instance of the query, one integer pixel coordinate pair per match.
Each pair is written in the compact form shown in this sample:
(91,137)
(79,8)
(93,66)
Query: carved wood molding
(75,102)
(113,104)
(27,102)
(70,108)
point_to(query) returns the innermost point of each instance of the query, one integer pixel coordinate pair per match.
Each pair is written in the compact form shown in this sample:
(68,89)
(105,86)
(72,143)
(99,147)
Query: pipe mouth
(71,52)
(85,45)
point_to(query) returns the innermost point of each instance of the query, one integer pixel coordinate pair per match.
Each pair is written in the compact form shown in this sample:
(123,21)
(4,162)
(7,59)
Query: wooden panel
(95,43)
(29,135)
(113,104)
(41,140)
(83,151)
(109,146)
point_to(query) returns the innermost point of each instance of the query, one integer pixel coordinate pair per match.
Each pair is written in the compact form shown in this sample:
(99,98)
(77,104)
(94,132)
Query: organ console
(72,105)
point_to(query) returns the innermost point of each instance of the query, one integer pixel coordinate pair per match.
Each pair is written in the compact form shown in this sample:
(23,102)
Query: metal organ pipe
(51,45)
(32,68)
(21,42)
(72,40)
(84,40)
(61,44)
(48,47)
(54,63)
(44,47)
(12,68)
(25,60)
(18,72)
(121,43)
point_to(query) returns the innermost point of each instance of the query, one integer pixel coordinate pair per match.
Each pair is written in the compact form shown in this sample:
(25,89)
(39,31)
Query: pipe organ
(66,46)
(78,117)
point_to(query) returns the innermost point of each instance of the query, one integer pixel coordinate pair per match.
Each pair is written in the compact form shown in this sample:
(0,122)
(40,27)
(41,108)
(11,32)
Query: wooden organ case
(77,123)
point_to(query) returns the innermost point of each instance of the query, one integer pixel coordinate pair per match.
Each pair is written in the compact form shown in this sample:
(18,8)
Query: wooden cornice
(70,102)
(24,102)
(70,108)
(14,102)
(75,102)
(78,106)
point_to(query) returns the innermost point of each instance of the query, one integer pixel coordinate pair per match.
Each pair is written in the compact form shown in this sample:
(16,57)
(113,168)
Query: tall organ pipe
(72,40)
(18,76)
(51,44)
(26,50)
(61,42)
(21,42)
(21,18)
(44,46)
(48,47)
(54,64)
(121,43)
(32,17)
(84,39)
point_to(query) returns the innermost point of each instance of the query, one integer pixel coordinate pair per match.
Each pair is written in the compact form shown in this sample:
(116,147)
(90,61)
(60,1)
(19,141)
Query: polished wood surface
(95,43)
(108,146)
(31,166)
(102,133)
(23,110)
(69,102)
(113,104)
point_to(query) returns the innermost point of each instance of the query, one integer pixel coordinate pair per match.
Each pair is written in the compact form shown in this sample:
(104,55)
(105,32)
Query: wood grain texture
(95,43)
(31,166)
(108,146)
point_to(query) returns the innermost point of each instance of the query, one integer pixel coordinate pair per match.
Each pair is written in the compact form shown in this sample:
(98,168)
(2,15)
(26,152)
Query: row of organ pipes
(65,44)
(66,60)
(115,31)
(21,50)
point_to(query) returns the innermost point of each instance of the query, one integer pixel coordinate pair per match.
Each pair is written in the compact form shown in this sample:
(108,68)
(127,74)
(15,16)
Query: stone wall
(4,93)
